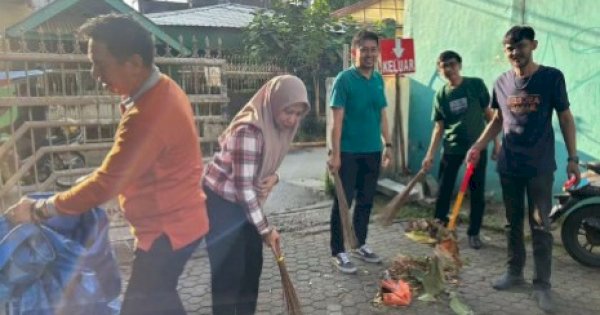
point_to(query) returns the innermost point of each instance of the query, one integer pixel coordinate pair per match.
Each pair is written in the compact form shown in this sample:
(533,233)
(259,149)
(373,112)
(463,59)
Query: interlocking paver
(323,290)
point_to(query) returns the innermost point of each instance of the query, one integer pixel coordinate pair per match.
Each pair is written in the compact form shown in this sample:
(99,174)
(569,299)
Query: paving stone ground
(323,290)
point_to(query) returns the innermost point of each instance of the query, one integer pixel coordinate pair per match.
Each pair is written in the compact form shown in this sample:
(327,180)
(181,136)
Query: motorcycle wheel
(74,160)
(45,167)
(581,235)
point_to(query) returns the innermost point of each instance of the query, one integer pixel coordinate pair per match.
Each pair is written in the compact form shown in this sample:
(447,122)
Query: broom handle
(391,209)
(277,252)
(456,210)
(349,236)
(461,195)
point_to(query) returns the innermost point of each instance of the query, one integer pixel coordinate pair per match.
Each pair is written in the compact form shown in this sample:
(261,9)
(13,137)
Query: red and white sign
(397,56)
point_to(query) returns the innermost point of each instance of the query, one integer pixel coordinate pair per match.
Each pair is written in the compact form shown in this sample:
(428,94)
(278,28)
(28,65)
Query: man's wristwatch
(574,159)
(388,145)
(39,211)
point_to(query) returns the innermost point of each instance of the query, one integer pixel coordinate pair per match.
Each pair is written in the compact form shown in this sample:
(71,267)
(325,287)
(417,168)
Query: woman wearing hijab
(238,181)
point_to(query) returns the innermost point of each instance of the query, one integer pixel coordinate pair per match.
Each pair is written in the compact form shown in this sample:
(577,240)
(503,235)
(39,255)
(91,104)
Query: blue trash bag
(24,255)
(63,266)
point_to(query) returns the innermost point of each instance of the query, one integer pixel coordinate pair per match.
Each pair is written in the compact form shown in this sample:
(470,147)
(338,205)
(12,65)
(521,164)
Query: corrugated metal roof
(68,15)
(220,15)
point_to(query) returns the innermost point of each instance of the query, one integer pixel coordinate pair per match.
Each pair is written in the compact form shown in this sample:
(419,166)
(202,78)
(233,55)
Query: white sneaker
(366,254)
(342,262)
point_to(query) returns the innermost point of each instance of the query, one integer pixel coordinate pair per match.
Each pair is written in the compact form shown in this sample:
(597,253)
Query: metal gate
(57,122)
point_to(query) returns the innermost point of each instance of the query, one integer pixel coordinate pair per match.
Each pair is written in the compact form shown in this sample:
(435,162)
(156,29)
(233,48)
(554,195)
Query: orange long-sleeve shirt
(155,166)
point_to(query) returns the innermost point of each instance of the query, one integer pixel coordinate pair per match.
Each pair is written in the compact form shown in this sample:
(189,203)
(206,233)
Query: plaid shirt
(233,173)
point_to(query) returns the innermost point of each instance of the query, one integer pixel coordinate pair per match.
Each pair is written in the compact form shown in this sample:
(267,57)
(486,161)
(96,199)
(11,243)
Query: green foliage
(459,307)
(386,28)
(312,129)
(303,39)
(338,4)
(306,41)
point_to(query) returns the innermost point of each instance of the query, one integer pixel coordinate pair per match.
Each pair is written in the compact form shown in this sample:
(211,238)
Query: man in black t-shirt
(524,100)
(459,110)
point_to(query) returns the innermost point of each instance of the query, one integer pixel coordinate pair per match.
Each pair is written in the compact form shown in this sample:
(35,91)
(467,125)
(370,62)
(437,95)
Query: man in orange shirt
(154,166)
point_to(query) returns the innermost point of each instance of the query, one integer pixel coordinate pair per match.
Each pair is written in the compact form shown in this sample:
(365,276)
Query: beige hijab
(275,95)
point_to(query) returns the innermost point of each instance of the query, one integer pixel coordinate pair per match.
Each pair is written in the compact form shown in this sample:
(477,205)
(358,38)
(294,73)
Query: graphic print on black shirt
(527,107)
(523,105)
(458,106)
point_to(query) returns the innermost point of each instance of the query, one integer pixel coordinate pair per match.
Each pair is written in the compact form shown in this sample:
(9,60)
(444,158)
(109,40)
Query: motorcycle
(48,163)
(579,206)
(62,160)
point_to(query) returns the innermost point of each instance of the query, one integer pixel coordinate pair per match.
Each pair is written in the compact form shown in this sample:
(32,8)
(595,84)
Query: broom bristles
(289,292)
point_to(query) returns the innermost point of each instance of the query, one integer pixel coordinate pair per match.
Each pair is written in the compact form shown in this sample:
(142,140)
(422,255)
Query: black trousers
(359,173)
(449,167)
(539,196)
(235,253)
(152,288)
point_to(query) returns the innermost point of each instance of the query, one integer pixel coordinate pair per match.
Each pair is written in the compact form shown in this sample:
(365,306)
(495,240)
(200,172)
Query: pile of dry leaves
(433,276)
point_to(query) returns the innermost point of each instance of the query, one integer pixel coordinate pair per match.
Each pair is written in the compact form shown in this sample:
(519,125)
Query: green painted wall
(568,32)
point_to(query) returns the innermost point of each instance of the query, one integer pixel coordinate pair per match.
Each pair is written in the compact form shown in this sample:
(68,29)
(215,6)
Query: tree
(338,4)
(305,40)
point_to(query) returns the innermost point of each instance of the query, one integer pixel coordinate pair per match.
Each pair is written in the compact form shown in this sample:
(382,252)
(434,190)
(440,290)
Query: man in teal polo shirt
(359,123)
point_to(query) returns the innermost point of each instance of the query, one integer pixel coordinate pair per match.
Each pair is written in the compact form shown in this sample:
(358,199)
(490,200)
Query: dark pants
(539,196)
(235,254)
(359,173)
(152,288)
(449,167)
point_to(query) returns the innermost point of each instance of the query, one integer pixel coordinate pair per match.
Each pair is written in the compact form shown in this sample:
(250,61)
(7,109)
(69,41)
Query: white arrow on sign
(398,50)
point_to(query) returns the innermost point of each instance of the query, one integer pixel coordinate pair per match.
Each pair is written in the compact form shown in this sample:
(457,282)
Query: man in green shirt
(359,122)
(459,109)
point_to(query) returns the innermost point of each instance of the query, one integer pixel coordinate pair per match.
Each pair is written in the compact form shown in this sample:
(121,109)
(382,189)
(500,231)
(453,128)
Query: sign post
(398,58)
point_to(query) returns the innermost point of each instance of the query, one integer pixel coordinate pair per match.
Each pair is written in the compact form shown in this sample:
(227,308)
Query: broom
(449,244)
(348,232)
(391,209)
(461,195)
(289,293)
